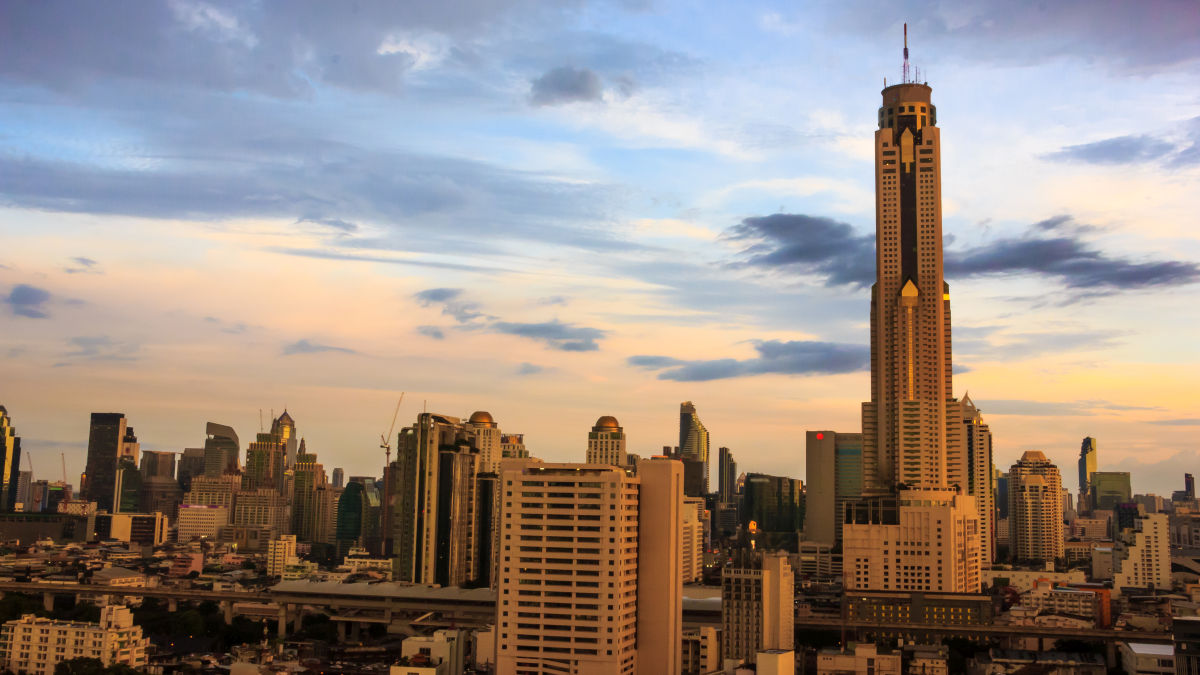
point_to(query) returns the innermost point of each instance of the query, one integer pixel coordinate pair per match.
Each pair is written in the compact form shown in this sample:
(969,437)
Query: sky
(557,211)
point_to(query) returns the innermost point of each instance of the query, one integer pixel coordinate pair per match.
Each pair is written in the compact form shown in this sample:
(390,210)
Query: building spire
(905,80)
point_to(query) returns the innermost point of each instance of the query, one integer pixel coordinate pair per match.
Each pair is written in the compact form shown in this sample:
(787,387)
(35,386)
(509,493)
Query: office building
(1087,466)
(1035,517)
(309,481)
(283,428)
(199,522)
(280,552)
(338,477)
(918,540)
(726,476)
(757,612)
(1142,554)
(606,443)
(693,445)
(149,529)
(1109,489)
(358,513)
(693,539)
(191,464)
(160,490)
(105,439)
(583,593)
(10,462)
(834,474)
(488,440)
(221,450)
(773,507)
(24,491)
(265,459)
(35,645)
(971,470)
(512,446)
(214,491)
(263,507)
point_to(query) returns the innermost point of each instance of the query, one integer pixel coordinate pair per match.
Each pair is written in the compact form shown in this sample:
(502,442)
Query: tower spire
(905,52)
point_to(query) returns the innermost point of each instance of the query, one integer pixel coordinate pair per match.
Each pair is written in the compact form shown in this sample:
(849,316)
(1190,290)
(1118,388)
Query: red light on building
(820,436)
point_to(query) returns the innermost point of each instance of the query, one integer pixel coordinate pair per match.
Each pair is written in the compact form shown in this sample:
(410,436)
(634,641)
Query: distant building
(834,472)
(756,604)
(1142,555)
(1110,488)
(512,446)
(693,444)
(970,468)
(339,477)
(1087,466)
(279,553)
(1035,509)
(221,450)
(606,443)
(10,463)
(701,652)
(858,659)
(200,521)
(488,441)
(149,529)
(446,648)
(632,625)
(693,539)
(726,476)
(774,507)
(358,512)
(115,640)
(105,436)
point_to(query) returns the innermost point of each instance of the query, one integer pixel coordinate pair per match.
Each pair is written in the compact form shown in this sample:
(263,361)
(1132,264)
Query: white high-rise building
(1035,509)
(606,443)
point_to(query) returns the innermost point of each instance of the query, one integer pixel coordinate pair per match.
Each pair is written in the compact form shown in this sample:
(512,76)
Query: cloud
(1029,408)
(555,334)
(1119,150)
(838,254)
(530,369)
(774,356)
(989,343)
(810,245)
(432,332)
(1178,422)
(566,85)
(333,223)
(82,266)
(448,298)
(306,347)
(101,348)
(28,301)
(233,328)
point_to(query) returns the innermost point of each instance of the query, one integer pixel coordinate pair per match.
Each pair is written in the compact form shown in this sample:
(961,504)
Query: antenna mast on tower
(906,80)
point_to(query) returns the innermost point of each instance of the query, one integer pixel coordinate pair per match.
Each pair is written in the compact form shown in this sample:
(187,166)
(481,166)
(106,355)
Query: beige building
(446,648)
(969,468)
(199,521)
(488,439)
(757,612)
(589,569)
(775,662)
(34,645)
(858,659)
(1035,514)
(693,539)
(606,443)
(920,540)
(1142,557)
(701,653)
(280,553)
(264,507)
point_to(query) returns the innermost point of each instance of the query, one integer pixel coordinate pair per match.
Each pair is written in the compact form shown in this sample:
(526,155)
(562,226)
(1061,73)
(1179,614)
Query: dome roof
(481,417)
(607,422)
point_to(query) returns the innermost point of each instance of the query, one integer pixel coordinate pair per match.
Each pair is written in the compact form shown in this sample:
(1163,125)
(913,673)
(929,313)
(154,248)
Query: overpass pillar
(355,633)
(48,601)
(227,606)
(281,628)
(1110,653)
(172,605)
(298,619)
(341,631)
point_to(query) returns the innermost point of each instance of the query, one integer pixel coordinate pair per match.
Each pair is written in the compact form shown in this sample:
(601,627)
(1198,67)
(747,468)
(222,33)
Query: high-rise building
(512,446)
(1087,467)
(1035,509)
(308,518)
(221,450)
(581,593)
(606,442)
(911,426)
(99,481)
(160,490)
(267,457)
(338,478)
(693,539)
(191,463)
(358,516)
(834,472)
(279,552)
(10,462)
(284,429)
(726,476)
(432,502)
(693,444)
(488,439)
(24,490)
(772,509)
(1142,555)
(972,471)
(33,644)
(757,611)
(264,507)
(1110,488)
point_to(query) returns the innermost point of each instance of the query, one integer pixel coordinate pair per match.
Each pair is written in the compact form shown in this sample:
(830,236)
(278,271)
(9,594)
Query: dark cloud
(432,332)
(452,305)
(530,369)
(1178,422)
(1120,150)
(307,347)
(774,356)
(81,265)
(555,334)
(101,348)
(28,301)
(808,245)
(333,223)
(566,85)
(1124,36)
(1055,248)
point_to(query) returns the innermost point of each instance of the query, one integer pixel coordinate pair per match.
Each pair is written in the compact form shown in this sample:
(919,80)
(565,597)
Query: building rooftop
(1147,649)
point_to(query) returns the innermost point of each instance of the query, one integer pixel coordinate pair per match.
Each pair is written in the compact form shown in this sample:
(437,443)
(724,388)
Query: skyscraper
(693,443)
(973,473)
(606,443)
(1110,488)
(833,468)
(726,476)
(221,450)
(1035,511)
(10,462)
(99,480)
(1087,467)
(911,425)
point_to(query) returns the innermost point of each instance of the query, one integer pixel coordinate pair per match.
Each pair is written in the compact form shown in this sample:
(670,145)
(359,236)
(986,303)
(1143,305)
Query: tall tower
(693,446)
(904,423)
(1035,509)
(105,438)
(1087,467)
(10,462)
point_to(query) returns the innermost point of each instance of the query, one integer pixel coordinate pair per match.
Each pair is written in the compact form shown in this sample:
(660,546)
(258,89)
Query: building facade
(606,443)
(756,605)
(35,645)
(1035,514)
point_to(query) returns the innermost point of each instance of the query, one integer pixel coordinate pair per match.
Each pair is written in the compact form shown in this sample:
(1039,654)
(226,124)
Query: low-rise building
(35,645)
(445,649)
(1016,662)
(858,659)
(701,650)
(1140,658)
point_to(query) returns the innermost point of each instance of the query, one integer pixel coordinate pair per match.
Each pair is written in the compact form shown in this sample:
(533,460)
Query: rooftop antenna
(260,421)
(906,80)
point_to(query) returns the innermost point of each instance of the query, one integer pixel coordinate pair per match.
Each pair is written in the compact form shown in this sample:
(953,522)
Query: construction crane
(385,441)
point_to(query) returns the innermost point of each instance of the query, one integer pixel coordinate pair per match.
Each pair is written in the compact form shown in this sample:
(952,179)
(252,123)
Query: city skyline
(551,258)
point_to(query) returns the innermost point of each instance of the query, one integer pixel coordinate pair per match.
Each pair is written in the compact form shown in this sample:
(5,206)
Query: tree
(81,666)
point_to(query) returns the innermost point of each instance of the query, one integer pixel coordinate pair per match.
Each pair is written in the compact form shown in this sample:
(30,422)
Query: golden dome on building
(482,417)
(607,422)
